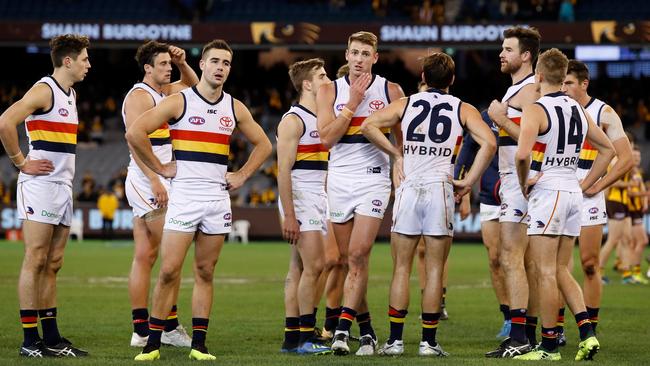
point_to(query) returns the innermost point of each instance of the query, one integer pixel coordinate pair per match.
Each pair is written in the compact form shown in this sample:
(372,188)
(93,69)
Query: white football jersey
(432,134)
(508,145)
(557,150)
(588,153)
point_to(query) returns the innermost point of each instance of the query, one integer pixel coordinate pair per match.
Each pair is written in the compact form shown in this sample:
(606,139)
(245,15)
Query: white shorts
(489,212)
(353,194)
(311,210)
(43,201)
(424,209)
(138,193)
(554,212)
(514,206)
(209,217)
(594,211)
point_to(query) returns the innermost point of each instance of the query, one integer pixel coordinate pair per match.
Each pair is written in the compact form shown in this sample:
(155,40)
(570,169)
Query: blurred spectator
(97,130)
(566,12)
(5,195)
(107,205)
(425,14)
(509,9)
(88,192)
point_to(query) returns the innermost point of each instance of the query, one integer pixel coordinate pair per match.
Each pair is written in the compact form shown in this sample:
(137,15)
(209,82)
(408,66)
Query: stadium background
(268,35)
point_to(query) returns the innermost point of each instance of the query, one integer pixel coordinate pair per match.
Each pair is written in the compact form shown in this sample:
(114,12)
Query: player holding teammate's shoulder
(44,197)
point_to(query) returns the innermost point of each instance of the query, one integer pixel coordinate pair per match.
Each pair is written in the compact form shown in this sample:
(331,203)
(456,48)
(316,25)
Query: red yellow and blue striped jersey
(508,145)
(53,134)
(432,136)
(310,168)
(589,153)
(160,139)
(354,153)
(557,150)
(201,141)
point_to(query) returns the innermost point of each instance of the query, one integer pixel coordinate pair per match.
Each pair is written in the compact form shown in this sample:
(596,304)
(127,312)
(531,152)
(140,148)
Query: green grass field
(246,323)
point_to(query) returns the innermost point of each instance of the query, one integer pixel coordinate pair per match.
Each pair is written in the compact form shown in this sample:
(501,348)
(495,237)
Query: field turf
(246,324)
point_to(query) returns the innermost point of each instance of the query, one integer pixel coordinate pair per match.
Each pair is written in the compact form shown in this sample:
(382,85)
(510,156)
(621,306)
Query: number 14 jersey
(557,150)
(432,134)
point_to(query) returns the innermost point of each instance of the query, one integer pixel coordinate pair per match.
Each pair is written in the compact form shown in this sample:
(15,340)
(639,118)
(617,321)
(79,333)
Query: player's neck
(150,81)
(209,93)
(308,101)
(521,74)
(584,99)
(545,88)
(63,79)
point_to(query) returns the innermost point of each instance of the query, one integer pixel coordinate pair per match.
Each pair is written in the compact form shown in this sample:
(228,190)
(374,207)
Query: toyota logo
(376,104)
(226,121)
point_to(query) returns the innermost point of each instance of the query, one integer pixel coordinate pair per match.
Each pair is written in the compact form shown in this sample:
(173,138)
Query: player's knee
(494,263)
(590,266)
(54,264)
(204,271)
(145,258)
(168,276)
(330,263)
(35,262)
(358,259)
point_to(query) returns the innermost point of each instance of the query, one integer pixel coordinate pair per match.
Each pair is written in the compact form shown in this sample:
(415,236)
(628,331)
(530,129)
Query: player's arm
(188,76)
(289,131)
(395,92)
(613,126)
(331,127)
(137,134)
(138,102)
(498,111)
(483,136)
(597,138)
(532,120)
(388,117)
(256,136)
(39,97)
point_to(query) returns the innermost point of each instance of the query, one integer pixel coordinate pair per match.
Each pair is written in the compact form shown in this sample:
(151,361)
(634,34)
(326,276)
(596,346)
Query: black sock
(29,320)
(505,310)
(593,317)
(51,334)
(549,339)
(531,330)
(172,320)
(584,325)
(365,327)
(397,318)
(332,318)
(518,328)
(559,327)
(429,327)
(199,331)
(140,321)
(346,318)
(307,323)
(156,327)
(291,332)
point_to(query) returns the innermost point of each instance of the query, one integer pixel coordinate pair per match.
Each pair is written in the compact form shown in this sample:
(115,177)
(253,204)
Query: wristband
(17,154)
(21,164)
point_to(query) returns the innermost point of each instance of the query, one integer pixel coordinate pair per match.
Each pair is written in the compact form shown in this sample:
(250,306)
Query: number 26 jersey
(432,134)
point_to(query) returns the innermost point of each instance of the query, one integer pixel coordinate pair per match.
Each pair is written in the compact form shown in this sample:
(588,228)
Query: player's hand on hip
(177,54)
(37,167)
(358,89)
(461,188)
(169,169)
(159,193)
(530,183)
(235,180)
(291,230)
(497,110)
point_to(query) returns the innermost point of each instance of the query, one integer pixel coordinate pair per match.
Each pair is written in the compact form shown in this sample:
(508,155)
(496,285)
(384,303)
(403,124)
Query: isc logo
(212,111)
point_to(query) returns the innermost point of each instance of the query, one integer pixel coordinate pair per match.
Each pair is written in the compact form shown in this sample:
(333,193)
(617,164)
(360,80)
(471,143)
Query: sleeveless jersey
(636,202)
(160,141)
(310,168)
(201,141)
(621,195)
(588,153)
(354,153)
(556,151)
(508,145)
(52,134)
(432,134)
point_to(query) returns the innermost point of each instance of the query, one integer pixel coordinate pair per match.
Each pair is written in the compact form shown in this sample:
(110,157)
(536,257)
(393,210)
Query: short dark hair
(148,51)
(67,45)
(218,44)
(553,65)
(529,39)
(579,69)
(303,70)
(438,69)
